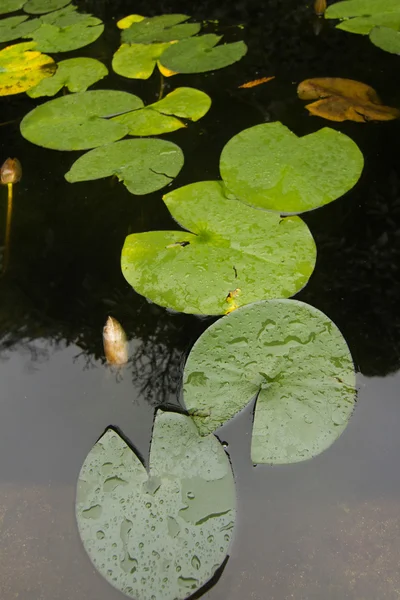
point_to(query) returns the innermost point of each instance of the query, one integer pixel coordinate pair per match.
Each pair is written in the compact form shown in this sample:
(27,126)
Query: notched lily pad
(269,167)
(44,6)
(137,61)
(14,28)
(344,99)
(143,165)
(200,54)
(22,67)
(162,533)
(361,16)
(164,28)
(234,256)
(75,74)
(291,357)
(386,39)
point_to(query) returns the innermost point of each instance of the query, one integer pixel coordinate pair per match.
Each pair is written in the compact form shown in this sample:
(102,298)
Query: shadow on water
(327,528)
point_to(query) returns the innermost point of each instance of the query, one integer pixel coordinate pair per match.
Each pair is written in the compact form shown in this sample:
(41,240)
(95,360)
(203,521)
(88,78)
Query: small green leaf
(293,358)
(137,61)
(269,167)
(143,165)
(164,28)
(79,121)
(44,6)
(187,103)
(14,28)
(76,74)
(200,54)
(8,6)
(361,16)
(234,256)
(385,38)
(164,533)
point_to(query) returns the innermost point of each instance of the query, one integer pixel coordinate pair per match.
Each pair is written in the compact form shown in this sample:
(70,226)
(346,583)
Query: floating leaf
(255,82)
(22,67)
(76,74)
(137,61)
(44,6)
(344,99)
(268,166)
(143,165)
(50,38)
(293,358)
(200,54)
(79,121)
(14,28)
(361,16)
(160,117)
(162,533)
(164,28)
(8,6)
(234,256)
(385,38)
(127,21)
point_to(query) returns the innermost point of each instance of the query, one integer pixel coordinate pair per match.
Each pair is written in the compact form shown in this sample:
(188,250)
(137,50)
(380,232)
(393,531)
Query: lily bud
(320,7)
(11,171)
(115,342)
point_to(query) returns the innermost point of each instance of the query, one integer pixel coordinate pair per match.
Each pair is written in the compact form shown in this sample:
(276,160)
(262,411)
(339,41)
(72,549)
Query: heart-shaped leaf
(164,28)
(143,165)
(18,27)
(234,256)
(268,166)
(76,74)
(51,37)
(293,358)
(200,54)
(22,67)
(44,6)
(361,16)
(79,121)
(161,534)
(160,117)
(386,39)
(137,61)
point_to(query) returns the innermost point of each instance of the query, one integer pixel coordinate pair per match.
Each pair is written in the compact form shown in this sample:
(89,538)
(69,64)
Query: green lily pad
(200,54)
(79,121)
(137,61)
(161,533)
(361,16)
(291,357)
(37,7)
(269,167)
(386,39)
(164,28)
(64,17)
(234,256)
(143,165)
(53,38)
(8,6)
(14,28)
(160,117)
(76,74)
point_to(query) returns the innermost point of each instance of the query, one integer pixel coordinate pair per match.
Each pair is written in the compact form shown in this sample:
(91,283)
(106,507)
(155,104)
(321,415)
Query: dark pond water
(324,529)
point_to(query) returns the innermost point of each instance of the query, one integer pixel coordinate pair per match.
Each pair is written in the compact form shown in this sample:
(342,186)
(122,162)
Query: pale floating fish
(115,342)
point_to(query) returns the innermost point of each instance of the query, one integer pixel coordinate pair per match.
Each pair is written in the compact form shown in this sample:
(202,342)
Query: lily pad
(22,67)
(76,74)
(291,357)
(361,16)
(79,121)
(234,256)
(137,61)
(164,28)
(386,39)
(161,533)
(14,28)
(200,54)
(269,167)
(160,117)
(8,6)
(345,99)
(55,38)
(143,165)
(37,7)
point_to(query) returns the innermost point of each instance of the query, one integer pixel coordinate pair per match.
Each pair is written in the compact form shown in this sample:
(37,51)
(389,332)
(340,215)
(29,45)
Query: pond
(323,528)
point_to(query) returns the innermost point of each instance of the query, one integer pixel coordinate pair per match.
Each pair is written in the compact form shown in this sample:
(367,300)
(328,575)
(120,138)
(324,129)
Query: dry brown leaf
(255,82)
(344,99)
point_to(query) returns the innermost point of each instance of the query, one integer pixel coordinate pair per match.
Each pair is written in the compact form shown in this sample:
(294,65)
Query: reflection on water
(323,529)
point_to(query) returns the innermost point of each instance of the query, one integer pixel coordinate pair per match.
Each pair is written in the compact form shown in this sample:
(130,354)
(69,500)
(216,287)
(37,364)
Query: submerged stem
(162,85)
(6,258)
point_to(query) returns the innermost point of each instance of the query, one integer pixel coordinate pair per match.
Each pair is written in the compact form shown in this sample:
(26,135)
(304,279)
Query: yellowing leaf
(344,99)
(164,71)
(127,21)
(22,67)
(255,82)
(137,61)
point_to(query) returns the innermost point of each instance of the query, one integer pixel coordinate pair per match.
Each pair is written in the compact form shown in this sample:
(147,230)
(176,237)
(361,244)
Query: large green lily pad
(161,117)
(8,6)
(161,533)
(269,167)
(386,39)
(234,256)
(361,16)
(79,121)
(164,28)
(14,28)
(54,38)
(143,165)
(200,54)
(291,357)
(137,61)
(44,6)
(76,74)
